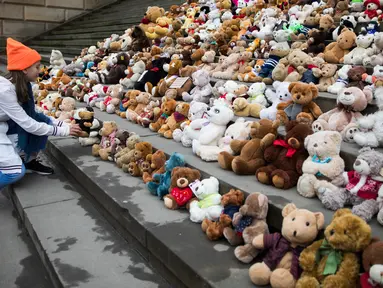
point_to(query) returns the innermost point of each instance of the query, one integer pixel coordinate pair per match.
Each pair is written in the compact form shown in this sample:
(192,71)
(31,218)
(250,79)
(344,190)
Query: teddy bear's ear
(196,174)
(320,220)
(276,124)
(175,170)
(336,137)
(288,209)
(314,90)
(292,85)
(341,212)
(307,139)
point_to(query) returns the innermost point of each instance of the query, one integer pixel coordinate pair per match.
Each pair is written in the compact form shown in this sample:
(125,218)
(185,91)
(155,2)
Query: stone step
(131,20)
(79,43)
(93,36)
(277,198)
(118,29)
(67,52)
(166,237)
(78,247)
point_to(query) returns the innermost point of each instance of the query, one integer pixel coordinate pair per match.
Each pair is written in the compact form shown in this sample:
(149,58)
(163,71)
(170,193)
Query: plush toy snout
(182,182)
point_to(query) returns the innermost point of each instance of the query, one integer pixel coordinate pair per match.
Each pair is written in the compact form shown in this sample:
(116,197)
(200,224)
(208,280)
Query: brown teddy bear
(333,261)
(250,152)
(231,202)
(175,120)
(168,106)
(248,222)
(163,85)
(372,264)
(157,165)
(341,9)
(125,156)
(280,265)
(285,157)
(142,101)
(142,153)
(301,107)
(187,86)
(108,133)
(197,57)
(243,108)
(326,74)
(151,16)
(128,102)
(335,51)
(180,194)
(355,77)
(291,68)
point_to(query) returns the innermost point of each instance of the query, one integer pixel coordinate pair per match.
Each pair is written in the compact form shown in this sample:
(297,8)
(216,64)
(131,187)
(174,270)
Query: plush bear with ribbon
(334,260)
(285,157)
(142,153)
(280,265)
(180,194)
(168,107)
(161,182)
(373,265)
(108,133)
(360,187)
(175,120)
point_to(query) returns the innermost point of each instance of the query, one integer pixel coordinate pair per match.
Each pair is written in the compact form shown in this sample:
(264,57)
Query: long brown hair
(20,80)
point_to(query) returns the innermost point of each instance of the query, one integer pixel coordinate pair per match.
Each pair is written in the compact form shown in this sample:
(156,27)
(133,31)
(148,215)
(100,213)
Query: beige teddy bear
(326,74)
(243,108)
(67,107)
(335,51)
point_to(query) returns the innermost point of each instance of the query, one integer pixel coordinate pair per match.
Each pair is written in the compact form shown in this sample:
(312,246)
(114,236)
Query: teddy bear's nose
(208,108)
(347,93)
(182,181)
(315,145)
(357,163)
(298,97)
(332,232)
(295,233)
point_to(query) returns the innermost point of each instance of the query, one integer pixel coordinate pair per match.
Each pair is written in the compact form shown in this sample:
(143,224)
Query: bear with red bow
(285,157)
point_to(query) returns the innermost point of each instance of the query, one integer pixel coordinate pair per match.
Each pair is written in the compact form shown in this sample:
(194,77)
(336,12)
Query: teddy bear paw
(317,127)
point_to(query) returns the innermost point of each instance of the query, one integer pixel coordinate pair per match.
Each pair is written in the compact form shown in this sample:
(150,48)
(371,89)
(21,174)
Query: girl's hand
(75,130)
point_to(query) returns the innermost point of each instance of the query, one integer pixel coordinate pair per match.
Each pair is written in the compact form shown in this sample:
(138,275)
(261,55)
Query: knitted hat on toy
(19,56)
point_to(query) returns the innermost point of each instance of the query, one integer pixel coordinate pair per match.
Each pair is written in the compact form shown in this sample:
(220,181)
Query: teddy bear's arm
(206,138)
(332,169)
(271,153)
(284,61)
(258,242)
(367,122)
(267,140)
(315,109)
(307,259)
(283,105)
(347,271)
(237,145)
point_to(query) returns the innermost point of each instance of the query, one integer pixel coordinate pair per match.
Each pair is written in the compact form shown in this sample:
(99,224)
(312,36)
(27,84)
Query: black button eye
(307,223)
(293,219)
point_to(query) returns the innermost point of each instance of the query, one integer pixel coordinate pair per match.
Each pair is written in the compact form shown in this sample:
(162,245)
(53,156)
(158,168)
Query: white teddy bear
(98,93)
(214,21)
(281,94)
(256,94)
(209,200)
(57,62)
(227,91)
(239,130)
(371,126)
(218,116)
(342,80)
(202,90)
(377,46)
(266,26)
(372,11)
(362,50)
(187,133)
(133,74)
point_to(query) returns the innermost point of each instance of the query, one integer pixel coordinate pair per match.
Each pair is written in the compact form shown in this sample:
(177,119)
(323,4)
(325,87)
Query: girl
(18,115)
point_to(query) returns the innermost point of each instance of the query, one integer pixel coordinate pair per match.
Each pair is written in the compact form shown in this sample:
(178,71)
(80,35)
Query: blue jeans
(7,179)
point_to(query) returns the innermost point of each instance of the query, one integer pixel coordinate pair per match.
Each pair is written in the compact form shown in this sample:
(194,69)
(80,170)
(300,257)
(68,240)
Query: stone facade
(22,19)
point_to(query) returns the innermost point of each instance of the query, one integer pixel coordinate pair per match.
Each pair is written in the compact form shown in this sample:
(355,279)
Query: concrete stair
(77,245)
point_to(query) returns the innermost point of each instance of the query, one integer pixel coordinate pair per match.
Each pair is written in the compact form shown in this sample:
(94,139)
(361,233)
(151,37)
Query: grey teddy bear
(360,188)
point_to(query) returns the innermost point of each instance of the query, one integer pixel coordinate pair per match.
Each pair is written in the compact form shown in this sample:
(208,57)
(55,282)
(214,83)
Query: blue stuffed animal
(161,184)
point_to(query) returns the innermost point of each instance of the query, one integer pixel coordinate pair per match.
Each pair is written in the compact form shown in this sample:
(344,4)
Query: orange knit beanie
(19,56)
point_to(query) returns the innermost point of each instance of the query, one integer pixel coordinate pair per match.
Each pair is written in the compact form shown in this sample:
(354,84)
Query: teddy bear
(316,41)
(151,15)
(285,157)
(157,165)
(175,120)
(186,72)
(151,113)
(359,188)
(108,133)
(361,51)
(377,46)
(372,261)
(370,126)
(125,156)
(336,51)
(350,102)
(301,107)
(202,90)
(142,100)
(160,184)
(208,61)
(323,167)
(291,68)
(231,201)
(90,126)
(152,75)
(112,99)
(133,74)
(341,9)
(342,80)
(168,107)
(326,74)
(277,52)
(180,194)
(188,132)
(372,12)
(66,109)
(217,118)
(239,130)
(280,263)
(281,94)
(247,223)
(355,77)
(256,94)
(208,204)
(120,62)
(139,163)
(57,62)
(243,108)
(249,153)
(334,260)
(228,68)
(227,92)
